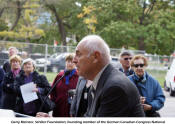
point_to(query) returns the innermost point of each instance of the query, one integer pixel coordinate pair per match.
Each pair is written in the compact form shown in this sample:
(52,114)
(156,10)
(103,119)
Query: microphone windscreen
(67,72)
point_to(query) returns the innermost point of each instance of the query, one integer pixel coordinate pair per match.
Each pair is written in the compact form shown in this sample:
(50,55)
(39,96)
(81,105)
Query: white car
(169,84)
(40,63)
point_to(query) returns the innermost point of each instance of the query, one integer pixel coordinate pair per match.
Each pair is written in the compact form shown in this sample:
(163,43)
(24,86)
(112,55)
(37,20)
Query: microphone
(65,74)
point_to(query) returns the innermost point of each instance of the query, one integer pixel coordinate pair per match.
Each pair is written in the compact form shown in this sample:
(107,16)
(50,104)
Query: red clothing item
(60,95)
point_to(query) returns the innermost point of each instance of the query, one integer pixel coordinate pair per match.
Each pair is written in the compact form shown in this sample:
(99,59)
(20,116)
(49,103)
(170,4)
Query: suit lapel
(82,85)
(99,89)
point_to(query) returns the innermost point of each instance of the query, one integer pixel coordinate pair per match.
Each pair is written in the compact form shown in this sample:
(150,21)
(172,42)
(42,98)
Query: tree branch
(59,23)
(1,11)
(18,14)
(143,13)
(150,8)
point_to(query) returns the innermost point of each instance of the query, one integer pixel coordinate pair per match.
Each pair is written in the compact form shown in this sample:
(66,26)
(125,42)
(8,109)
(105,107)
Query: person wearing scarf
(8,96)
(41,88)
(59,95)
(151,94)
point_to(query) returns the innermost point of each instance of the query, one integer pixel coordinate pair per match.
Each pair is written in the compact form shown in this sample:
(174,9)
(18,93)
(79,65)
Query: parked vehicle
(54,63)
(115,62)
(3,57)
(40,63)
(169,84)
(57,62)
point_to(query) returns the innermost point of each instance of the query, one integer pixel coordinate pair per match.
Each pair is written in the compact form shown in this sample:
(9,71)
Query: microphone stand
(65,74)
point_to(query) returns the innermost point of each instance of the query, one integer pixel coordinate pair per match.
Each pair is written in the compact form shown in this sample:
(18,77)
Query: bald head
(95,43)
(92,54)
(13,51)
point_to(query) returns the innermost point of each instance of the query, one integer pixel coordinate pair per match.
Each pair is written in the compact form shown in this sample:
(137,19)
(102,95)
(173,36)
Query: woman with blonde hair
(8,96)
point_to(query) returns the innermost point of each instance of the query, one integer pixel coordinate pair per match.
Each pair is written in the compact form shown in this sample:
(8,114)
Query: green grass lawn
(159,75)
(50,76)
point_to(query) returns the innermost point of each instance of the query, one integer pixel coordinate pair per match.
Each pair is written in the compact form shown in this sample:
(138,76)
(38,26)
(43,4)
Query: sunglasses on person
(127,58)
(138,65)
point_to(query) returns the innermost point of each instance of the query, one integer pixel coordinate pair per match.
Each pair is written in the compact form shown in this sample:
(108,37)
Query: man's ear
(97,56)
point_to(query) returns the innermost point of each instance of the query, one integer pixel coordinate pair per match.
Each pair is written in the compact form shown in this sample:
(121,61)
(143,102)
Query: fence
(43,54)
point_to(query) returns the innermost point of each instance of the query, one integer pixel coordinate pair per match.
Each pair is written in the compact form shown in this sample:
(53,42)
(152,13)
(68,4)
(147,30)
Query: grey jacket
(76,100)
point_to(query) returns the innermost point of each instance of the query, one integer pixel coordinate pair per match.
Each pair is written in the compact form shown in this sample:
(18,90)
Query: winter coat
(1,79)
(43,86)
(7,66)
(8,95)
(60,95)
(151,90)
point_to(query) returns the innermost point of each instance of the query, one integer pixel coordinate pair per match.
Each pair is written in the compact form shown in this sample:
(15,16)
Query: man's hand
(147,107)
(42,114)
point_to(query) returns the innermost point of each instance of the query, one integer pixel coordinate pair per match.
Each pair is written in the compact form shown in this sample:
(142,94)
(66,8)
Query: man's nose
(74,60)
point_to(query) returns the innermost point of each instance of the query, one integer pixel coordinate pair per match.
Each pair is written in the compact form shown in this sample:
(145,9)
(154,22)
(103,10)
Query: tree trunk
(61,29)
(60,24)
(1,11)
(141,44)
(18,15)
(145,12)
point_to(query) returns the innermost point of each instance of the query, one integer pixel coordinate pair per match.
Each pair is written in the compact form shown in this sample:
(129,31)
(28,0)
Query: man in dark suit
(113,94)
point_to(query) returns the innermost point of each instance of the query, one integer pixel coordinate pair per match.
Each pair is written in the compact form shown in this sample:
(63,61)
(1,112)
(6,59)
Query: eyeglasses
(137,65)
(127,58)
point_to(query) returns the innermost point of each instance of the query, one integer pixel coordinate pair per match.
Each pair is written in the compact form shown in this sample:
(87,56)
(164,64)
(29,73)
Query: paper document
(27,94)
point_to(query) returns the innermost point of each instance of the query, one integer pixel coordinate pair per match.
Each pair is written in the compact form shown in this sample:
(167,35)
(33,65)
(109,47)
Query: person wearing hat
(8,96)
(42,87)
(125,58)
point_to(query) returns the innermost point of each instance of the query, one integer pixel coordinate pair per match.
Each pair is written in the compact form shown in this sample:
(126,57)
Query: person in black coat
(1,79)
(111,93)
(6,65)
(42,87)
(1,75)
(8,96)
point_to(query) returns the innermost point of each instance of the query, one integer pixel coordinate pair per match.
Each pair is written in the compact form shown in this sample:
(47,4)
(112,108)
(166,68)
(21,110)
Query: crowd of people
(100,88)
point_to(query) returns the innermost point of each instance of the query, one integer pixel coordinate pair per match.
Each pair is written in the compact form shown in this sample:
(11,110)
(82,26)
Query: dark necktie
(90,101)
